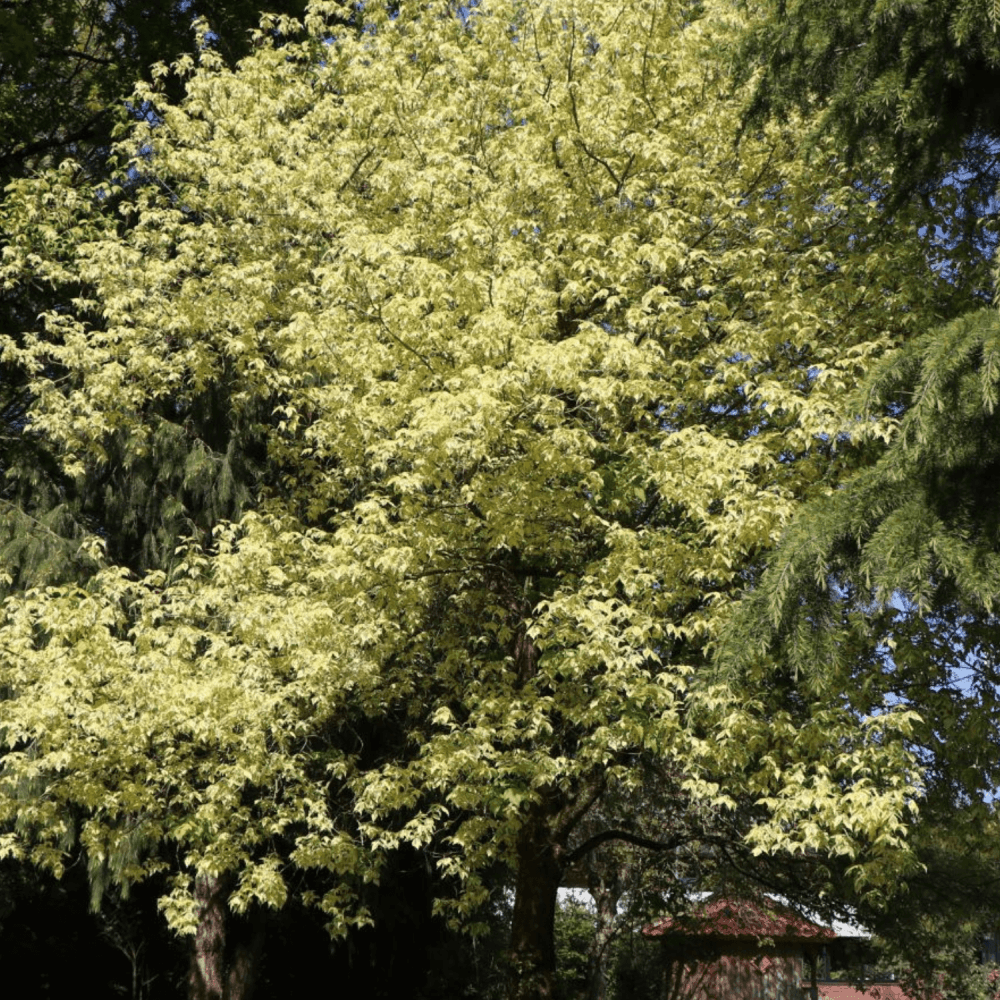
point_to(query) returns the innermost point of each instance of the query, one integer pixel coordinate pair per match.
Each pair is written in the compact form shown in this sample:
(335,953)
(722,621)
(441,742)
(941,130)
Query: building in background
(731,948)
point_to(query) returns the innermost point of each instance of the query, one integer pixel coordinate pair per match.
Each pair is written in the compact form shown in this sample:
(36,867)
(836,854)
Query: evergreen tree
(919,80)
(892,578)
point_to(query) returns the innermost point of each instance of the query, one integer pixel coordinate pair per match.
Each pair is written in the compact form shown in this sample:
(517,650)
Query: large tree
(534,366)
(67,70)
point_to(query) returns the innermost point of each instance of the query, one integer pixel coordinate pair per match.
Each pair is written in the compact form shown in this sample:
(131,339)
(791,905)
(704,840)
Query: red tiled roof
(742,919)
(877,991)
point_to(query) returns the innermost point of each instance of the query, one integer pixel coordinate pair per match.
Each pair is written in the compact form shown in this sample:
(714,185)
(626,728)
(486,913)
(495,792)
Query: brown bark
(241,977)
(207,976)
(225,952)
(539,870)
(812,958)
(532,933)
(606,884)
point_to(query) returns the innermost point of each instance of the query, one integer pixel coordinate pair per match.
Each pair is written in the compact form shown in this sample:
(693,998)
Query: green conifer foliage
(900,562)
(920,79)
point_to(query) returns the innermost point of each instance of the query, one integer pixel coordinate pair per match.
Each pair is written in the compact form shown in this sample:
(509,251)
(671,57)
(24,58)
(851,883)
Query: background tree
(918,81)
(893,576)
(892,579)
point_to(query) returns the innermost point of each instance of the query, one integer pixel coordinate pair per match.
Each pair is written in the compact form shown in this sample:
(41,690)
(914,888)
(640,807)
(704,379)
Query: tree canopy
(67,72)
(531,367)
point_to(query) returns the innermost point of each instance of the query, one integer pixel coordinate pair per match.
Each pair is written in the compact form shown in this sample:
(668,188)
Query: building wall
(745,972)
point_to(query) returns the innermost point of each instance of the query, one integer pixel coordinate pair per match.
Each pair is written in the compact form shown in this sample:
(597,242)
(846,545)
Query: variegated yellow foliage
(549,363)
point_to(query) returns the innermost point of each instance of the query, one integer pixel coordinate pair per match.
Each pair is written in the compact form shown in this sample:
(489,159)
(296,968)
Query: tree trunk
(606,883)
(532,933)
(244,964)
(539,871)
(225,953)
(207,976)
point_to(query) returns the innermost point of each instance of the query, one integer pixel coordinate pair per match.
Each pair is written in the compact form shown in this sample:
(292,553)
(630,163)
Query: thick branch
(592,843)
(77,54)
(53,142)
